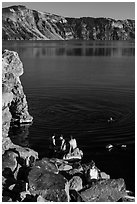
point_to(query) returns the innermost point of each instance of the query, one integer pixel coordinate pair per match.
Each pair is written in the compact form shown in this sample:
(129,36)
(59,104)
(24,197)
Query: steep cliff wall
(21,23)
(14,104)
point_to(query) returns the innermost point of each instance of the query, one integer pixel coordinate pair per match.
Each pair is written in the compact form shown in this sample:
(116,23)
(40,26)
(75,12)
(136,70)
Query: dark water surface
(74,87)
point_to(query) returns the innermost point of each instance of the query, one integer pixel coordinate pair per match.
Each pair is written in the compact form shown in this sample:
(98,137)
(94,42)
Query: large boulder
(11,63)
(25,153)
(47,165)
(6,144)
(65,167)
(6,99)
(10,155)
(50,185)
(105,191)
(103,175)
(75,183)
(9,160)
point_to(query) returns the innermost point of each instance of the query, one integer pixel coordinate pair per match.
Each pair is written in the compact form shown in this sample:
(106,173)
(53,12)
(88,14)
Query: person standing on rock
(53,141)
(72,144)
(93,174)
(52,146)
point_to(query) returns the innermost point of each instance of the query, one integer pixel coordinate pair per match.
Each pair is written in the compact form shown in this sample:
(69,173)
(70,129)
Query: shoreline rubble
(25,177)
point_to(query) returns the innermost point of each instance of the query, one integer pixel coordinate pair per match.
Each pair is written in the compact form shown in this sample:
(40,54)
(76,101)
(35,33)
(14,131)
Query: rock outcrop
(46,164)
(21,23)
(105,191)
(75,183)
(14,104)
(12,90)
(45,181)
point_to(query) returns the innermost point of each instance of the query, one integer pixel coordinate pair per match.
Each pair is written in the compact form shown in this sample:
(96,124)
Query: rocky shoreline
(26,178)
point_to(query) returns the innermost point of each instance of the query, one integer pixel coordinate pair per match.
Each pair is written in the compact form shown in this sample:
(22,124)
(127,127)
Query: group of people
(63,145)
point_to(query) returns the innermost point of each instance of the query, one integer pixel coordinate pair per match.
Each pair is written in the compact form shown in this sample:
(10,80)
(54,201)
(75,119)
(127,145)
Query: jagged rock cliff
(21,23)
(14,104)
(12,89)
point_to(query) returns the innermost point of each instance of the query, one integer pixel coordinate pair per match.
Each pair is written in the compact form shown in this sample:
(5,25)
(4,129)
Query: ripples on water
(74,88)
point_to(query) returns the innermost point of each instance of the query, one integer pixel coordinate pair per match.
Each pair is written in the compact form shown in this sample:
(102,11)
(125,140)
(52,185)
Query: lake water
(73,88)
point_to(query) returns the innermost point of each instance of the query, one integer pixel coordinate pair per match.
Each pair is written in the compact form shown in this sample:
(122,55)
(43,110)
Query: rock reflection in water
(83,51)
(115,49)
(19,134)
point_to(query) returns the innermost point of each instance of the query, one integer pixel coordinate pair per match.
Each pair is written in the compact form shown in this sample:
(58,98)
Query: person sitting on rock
(63,143)
(72,144)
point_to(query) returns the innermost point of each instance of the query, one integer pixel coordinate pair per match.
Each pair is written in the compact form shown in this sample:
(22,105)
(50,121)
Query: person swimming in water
(110,120)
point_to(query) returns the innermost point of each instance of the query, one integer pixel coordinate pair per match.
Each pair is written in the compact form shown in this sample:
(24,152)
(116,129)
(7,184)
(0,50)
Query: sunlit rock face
(13,95)
(14,111)
(14,103)
(21,23)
